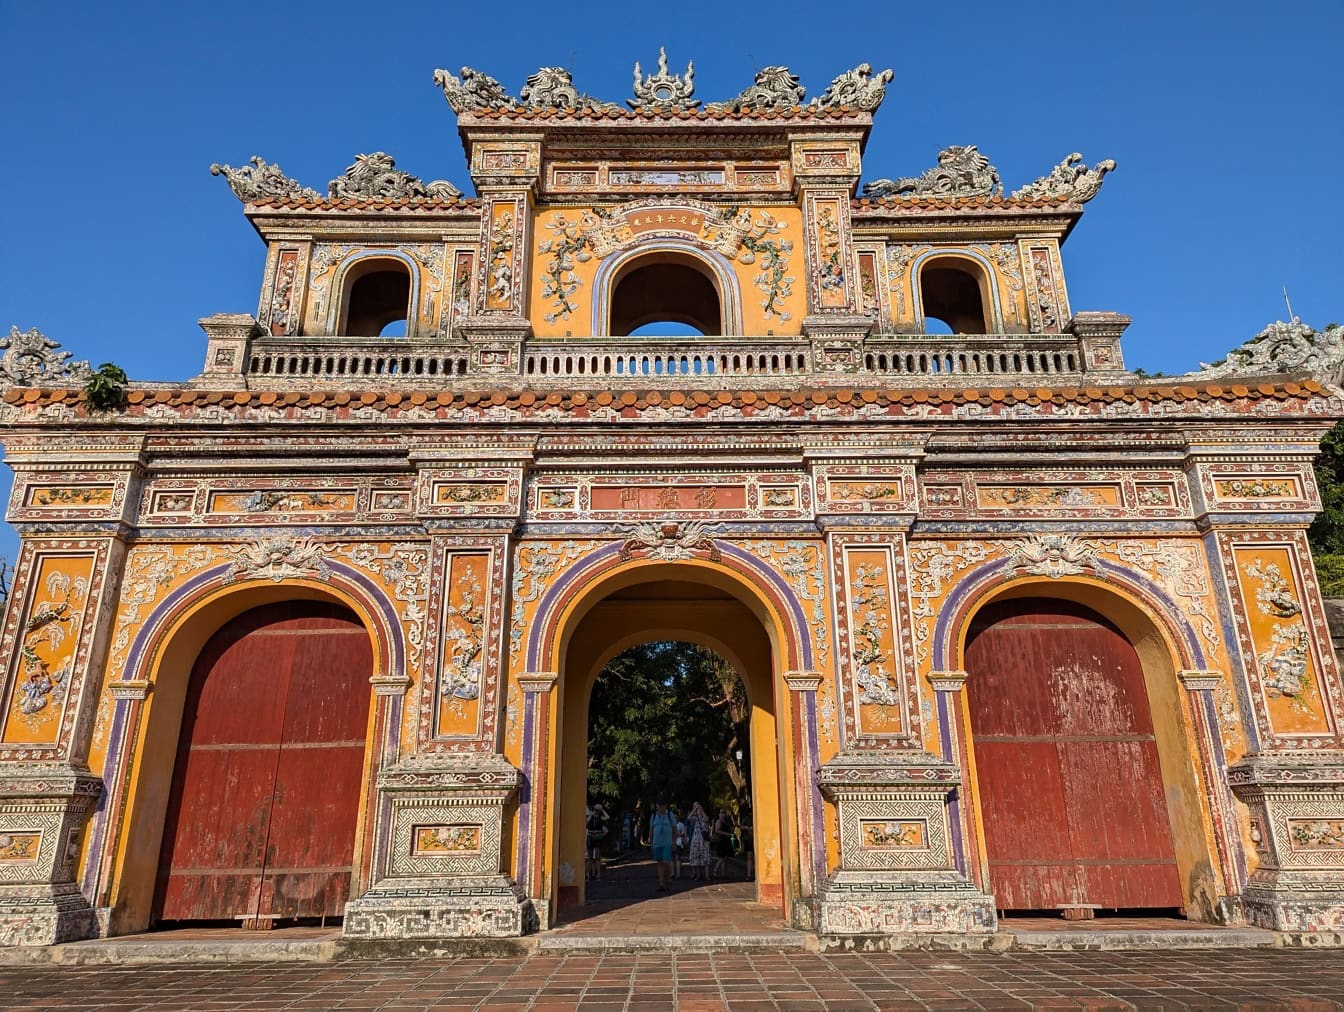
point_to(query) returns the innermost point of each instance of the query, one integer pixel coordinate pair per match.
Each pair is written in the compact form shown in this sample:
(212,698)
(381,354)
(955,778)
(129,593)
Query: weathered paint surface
(1070,786)
(266,791)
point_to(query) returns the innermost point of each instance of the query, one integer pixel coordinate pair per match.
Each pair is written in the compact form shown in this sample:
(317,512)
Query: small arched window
(665,288)
(954,292)
(376,298)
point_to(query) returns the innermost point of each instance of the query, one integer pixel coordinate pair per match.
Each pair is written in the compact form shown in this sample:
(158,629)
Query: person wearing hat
(596,833)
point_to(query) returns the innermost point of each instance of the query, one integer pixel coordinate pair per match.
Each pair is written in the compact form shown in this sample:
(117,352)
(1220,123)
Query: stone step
(1073,939)
(744,941)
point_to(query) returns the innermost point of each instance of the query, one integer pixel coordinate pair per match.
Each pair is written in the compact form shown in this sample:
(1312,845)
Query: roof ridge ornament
(1070,179)
(553,88)
(1284,348)
(473,91)
(260,180)
(962,171)
(855,89)
(773,88)
(30,358)
(664,90)
(376,177)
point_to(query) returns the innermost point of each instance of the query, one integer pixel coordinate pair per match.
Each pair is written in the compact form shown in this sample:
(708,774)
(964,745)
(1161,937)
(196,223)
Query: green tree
(667,720)
(1327,531)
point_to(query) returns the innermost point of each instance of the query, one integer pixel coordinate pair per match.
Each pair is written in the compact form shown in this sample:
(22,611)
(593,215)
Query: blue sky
(1225,119)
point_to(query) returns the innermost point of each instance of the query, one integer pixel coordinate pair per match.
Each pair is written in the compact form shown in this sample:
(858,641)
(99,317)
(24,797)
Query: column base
(45,914)
(488,906)
(1301,906)
(854,902)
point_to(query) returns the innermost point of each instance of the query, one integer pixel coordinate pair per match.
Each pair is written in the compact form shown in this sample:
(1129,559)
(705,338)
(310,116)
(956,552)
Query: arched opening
(954,293)
(665,287)
(376,298)
(1085,793)
(263,805)
(686,604)
(668,721)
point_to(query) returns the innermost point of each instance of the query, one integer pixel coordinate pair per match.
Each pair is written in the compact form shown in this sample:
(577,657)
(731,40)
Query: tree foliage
(1327,532)
(666,720)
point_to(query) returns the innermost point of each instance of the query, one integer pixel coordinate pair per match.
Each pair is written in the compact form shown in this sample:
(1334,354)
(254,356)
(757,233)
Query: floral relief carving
(761,243)
(1254,488)
(52,621)
(464,641)
(1273,594)
(830,269)
(1316,834)
(1285,661)
(871,607)
(570,243)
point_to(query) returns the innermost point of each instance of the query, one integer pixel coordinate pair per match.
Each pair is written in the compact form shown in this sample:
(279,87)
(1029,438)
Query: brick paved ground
(1255,978)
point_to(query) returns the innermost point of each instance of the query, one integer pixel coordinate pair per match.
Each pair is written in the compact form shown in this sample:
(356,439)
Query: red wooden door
(265,794)
(1070,791)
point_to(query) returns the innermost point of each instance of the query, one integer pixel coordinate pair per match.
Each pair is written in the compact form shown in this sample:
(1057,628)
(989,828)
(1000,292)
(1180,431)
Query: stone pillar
(42,812)
(439,874)
(1201,685)
(803,687)
(1297,829)
(897,873)
(826,169)
(533,795)
(229,343)
(506,174)
(947,686)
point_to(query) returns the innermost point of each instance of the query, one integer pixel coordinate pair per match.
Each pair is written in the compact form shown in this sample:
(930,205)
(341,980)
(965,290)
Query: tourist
(697,832)
(721,839)
(596,833)
(662,829)
(678,847)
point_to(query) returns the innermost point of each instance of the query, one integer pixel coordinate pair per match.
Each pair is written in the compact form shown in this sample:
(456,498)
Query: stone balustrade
(712,361)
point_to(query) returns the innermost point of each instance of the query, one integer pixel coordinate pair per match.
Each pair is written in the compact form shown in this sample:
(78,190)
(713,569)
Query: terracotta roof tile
(531,115)
(631,401)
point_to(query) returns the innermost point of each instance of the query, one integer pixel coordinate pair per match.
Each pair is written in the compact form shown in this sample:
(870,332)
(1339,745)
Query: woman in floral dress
(697,828)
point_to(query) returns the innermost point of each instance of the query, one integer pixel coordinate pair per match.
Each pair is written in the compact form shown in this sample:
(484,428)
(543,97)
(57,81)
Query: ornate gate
(1070,789)
(265,794)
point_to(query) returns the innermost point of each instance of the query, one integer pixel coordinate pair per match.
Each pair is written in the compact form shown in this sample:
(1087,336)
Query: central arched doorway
(691,604)
(1070,785)
(264,800)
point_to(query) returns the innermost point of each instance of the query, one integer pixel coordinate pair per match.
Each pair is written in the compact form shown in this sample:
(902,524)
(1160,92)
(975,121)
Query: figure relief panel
(51,630)
(499,274)
(747,252)
(231,502)
(880,701)
(1257,487)
(830,277)
(1294,691)
(282,297)
(1047,301)
(46,496)
(1090,493)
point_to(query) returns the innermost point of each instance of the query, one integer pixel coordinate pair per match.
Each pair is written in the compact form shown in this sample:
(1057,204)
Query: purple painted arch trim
(576,574)
(372,596)
(1151,592)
